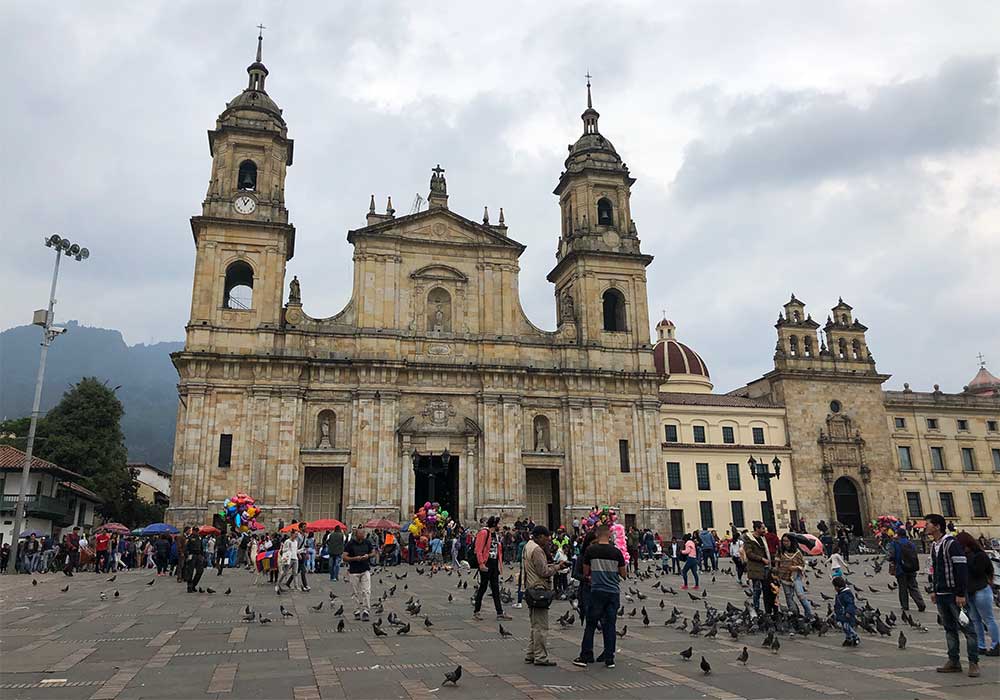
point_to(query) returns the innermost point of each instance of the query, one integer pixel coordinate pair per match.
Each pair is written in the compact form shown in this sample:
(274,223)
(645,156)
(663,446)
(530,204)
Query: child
(844,611)
(837,565)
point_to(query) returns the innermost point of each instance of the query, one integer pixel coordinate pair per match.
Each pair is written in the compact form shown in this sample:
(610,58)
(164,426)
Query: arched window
(614,310)
(247,179)
(439,310)
(808,346)
(843,319)
(795,316)
(856,349)
(793,346)
(239,286)
(842,349)
(604,211)
(540,438)
(326,430)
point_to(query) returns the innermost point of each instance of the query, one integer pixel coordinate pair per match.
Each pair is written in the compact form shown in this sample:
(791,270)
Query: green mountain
(146,379)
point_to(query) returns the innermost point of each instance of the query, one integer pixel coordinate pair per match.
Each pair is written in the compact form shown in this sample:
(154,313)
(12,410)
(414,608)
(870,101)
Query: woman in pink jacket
(689,555)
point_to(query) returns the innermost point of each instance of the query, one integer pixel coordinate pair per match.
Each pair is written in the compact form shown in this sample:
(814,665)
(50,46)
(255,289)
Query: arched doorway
(848,504)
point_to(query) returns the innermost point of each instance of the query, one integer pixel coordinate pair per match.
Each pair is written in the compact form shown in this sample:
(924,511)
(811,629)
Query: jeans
(335,567)
(849,632)
(601,607)
(794,590)
(491,578)
(691,564)
(908,587)
(981,613)
(311,560)
(948,610)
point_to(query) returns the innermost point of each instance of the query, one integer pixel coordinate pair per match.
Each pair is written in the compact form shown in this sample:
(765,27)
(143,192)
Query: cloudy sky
(824,149)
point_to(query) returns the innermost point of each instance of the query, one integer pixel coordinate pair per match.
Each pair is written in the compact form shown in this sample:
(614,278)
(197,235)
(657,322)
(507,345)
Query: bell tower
(242,236)
(599,262)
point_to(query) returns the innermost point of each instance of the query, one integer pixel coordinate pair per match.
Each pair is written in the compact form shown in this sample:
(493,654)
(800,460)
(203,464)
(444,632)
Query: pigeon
(318,606)
(744,656)
(201,590)
(883,629)
(450,599)
(340,625)
(622,632)
(824,596)
(662,605)
(902,640)
(228,591)
(339,611)
(706,667)
(645,620)
(103,596)
(504,633)
(427,622)
(379,632)
(111,580)
(246,610)
(332,595)
(453,676)
(264,620)
(775,645)
(151,582)
(65,589)
(210,590)
(116,594)
(686,654)
(34,582)
(768,640)
(405,629)
(285,613)
(250,617)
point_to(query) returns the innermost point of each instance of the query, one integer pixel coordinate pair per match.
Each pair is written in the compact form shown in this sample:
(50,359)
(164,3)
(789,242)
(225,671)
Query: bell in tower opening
(247,179)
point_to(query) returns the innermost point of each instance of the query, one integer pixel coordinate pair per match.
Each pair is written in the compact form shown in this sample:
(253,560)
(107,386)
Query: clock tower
(242,236)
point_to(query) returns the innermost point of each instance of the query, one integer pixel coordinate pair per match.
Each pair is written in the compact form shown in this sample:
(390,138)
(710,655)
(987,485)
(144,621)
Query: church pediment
(440,273)
(439,226)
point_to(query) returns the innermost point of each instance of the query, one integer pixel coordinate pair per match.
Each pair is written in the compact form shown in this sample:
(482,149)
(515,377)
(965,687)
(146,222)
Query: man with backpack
(904,564)
(488,558)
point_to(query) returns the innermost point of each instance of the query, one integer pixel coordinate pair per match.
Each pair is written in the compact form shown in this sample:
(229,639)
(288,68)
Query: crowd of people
(579,562)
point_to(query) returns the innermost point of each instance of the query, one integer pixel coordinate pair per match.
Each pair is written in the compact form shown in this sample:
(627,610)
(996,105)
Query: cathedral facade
(432,384)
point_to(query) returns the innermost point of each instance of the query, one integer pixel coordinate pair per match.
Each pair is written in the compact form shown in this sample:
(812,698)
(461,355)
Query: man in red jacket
(489,556)
(101,545)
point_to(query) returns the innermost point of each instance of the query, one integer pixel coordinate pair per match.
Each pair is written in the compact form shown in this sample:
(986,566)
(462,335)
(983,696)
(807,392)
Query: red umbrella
(209,530)
(114,528)
(809,544)
(325,524)
(382,524)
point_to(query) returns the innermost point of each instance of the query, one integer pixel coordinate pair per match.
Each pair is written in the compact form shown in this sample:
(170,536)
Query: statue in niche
(294,292)
(325,441)
(438,318)
(566,310)
(439,311)
(541,434)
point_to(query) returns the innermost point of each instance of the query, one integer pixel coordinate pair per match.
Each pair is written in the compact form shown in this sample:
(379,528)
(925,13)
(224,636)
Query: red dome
(680,359)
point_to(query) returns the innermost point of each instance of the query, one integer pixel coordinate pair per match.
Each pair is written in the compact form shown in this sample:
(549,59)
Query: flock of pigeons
(735,621)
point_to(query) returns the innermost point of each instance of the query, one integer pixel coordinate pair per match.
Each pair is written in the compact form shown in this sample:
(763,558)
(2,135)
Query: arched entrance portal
(848,504)
(436,481)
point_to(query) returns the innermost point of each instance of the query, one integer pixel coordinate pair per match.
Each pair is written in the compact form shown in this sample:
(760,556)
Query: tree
(83,434)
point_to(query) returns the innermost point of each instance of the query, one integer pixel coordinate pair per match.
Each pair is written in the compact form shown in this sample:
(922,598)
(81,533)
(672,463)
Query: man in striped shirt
(603,567)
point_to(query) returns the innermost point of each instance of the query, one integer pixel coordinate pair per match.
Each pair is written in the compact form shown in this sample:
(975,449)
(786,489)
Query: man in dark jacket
(758,558)
(949,585)
(904,565)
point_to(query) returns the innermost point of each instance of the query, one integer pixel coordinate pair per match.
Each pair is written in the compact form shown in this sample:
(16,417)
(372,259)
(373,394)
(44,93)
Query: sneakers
(995,651)
(504,616)
(695,587)
(528,661)
(550,662)
(609,663)
(581,662)
(848,643)
(306,589)
(518,605)
(477,616)
(684,587)
(357,614)
(950,667)
(973,671)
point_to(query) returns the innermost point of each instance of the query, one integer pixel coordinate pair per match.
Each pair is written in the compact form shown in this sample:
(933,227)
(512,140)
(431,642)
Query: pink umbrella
(809,544)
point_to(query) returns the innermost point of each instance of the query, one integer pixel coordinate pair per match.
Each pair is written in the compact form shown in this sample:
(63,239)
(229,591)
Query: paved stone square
(159,642)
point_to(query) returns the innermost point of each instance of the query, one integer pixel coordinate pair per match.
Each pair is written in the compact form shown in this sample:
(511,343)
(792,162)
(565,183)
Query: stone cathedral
(432,384)
(431,381)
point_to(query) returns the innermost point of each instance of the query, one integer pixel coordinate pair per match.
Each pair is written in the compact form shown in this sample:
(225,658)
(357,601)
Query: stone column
(405,478)
(468,477)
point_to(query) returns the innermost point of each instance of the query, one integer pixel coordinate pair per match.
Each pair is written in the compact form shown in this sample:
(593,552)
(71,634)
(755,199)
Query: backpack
(472,558)
(909,563)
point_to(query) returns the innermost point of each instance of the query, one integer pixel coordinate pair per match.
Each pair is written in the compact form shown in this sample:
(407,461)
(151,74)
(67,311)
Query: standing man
(358,553)
(489,557)
(538,574)
(335,548)
(220,552)
(904,564)
(101,540)
(758,561)
(709,561)
(603,567)
(182,563)
(194,552)
(949,585)
(71,546)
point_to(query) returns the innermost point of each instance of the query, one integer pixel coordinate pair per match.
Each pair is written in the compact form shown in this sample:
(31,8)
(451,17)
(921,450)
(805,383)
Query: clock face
(245,204)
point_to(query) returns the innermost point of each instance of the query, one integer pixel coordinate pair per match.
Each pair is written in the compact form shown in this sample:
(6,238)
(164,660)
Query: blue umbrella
(160,529)
(29,533)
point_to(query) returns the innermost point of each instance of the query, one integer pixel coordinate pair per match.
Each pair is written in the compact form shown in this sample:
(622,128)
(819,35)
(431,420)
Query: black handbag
(539,598)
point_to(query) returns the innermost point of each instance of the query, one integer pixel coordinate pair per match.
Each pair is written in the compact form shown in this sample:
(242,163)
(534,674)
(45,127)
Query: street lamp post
(44,319)
(761,470)
(431,471)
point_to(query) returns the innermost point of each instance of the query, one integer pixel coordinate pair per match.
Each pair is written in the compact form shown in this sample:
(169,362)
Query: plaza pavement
(159,642)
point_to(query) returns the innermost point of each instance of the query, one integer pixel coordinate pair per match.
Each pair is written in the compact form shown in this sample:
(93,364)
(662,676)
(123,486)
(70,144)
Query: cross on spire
(982,360)
(590,104)
(437,170)
(260,39)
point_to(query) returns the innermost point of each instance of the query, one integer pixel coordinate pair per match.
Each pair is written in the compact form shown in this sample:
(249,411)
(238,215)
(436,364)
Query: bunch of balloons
(431,515)
(241,511)
(607,516)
